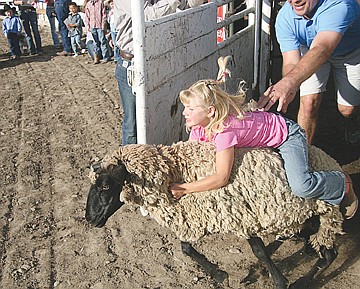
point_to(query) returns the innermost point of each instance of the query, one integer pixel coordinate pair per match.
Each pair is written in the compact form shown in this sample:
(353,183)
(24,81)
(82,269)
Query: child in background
(74,24)
(96,22)
(217,117)
(11,26)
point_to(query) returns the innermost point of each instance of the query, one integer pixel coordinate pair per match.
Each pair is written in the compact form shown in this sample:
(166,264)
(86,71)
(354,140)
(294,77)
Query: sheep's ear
(119,173)
(96,167)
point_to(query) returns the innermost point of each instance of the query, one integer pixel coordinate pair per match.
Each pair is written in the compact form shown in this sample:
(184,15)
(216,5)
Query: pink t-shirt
(257,129)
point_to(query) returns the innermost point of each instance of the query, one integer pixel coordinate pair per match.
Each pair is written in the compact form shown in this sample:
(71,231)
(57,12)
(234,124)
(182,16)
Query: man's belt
(27,10)
(126,56)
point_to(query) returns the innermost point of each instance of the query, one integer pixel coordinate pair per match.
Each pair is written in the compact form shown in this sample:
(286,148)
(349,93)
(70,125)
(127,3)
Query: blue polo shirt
(341,16)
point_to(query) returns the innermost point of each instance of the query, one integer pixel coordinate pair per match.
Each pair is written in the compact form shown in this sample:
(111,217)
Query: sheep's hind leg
(259,250)
(213,270)
(329,255)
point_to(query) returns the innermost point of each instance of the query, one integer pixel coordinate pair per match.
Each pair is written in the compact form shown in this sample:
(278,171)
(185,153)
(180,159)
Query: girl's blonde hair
(209,93)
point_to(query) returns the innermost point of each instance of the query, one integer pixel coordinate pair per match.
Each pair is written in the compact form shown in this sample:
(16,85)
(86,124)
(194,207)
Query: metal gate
(173,52)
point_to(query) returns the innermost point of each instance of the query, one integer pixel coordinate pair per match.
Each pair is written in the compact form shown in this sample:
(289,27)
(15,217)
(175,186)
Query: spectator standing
(317,36)
(51,15)
(62,12)
(124,42)
(75,25)
(11,26)
(96,22)
(111,20)
(29,20)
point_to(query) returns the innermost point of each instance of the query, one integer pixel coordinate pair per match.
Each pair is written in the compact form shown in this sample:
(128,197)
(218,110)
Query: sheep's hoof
(329,255)
(301,283)
(219,275)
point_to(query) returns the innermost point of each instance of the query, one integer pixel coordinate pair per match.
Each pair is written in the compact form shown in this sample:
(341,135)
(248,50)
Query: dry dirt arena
(57,114)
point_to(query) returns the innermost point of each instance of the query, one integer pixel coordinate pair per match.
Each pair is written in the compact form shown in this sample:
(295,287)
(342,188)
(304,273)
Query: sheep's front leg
(213,270)
(259,250)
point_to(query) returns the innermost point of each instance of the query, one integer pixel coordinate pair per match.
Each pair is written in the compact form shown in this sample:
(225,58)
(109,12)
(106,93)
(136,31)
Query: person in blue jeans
(124,41)
(29,20)
(96,23)
(75,25)
(62,12)
(111,20)
(11,26)
(51,15)
(128,101)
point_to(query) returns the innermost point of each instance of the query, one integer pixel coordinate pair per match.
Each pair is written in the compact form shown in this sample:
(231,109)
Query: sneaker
(352,130)
(62,53)
(75,55)
(350,202)
(83,51)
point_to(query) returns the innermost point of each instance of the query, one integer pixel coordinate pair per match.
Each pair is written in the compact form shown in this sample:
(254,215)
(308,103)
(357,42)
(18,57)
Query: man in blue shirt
(317,36)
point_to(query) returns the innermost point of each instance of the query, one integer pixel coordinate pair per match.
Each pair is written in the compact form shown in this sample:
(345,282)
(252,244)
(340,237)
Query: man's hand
(283,91)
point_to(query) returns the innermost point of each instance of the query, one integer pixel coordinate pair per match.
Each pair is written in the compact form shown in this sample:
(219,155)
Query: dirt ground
(57,114)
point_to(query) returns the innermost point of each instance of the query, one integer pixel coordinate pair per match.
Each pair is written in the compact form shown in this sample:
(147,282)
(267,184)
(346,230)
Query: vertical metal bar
(138,26)
(265,51)
(257,21)
(231,11)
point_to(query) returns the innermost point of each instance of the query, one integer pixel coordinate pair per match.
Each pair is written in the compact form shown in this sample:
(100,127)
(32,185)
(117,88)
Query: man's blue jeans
(62,12)
(30,23)
(328,186)
(128,103)
(100,41)
(49,13)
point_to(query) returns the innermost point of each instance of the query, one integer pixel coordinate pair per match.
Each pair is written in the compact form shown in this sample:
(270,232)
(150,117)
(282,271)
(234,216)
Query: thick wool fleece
(257,201)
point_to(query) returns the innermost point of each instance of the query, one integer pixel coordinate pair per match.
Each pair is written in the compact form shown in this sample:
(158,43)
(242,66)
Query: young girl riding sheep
(214,116)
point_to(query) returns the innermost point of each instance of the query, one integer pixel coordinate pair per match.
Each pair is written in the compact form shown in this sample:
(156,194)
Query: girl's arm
(224,163)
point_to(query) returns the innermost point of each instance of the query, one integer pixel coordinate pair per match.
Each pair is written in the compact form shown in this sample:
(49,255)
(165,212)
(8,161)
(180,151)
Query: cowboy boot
(96,59)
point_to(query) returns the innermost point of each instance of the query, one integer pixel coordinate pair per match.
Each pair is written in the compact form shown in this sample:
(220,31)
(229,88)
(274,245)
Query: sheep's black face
(104,196)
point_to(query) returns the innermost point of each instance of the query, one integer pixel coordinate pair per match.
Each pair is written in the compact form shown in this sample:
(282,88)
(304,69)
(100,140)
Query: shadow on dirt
(49,53)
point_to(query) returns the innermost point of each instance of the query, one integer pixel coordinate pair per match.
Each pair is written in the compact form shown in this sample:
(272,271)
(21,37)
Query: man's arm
(296,70)
(165,7)
(160,8)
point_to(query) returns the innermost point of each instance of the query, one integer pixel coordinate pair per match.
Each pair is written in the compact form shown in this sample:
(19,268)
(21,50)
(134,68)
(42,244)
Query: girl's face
(111,5)
(196,114)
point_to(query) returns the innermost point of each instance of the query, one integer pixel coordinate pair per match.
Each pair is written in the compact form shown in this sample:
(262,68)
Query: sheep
(256,203)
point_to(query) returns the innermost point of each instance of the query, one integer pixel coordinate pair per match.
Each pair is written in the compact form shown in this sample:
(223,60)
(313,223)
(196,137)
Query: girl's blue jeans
(328,186)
